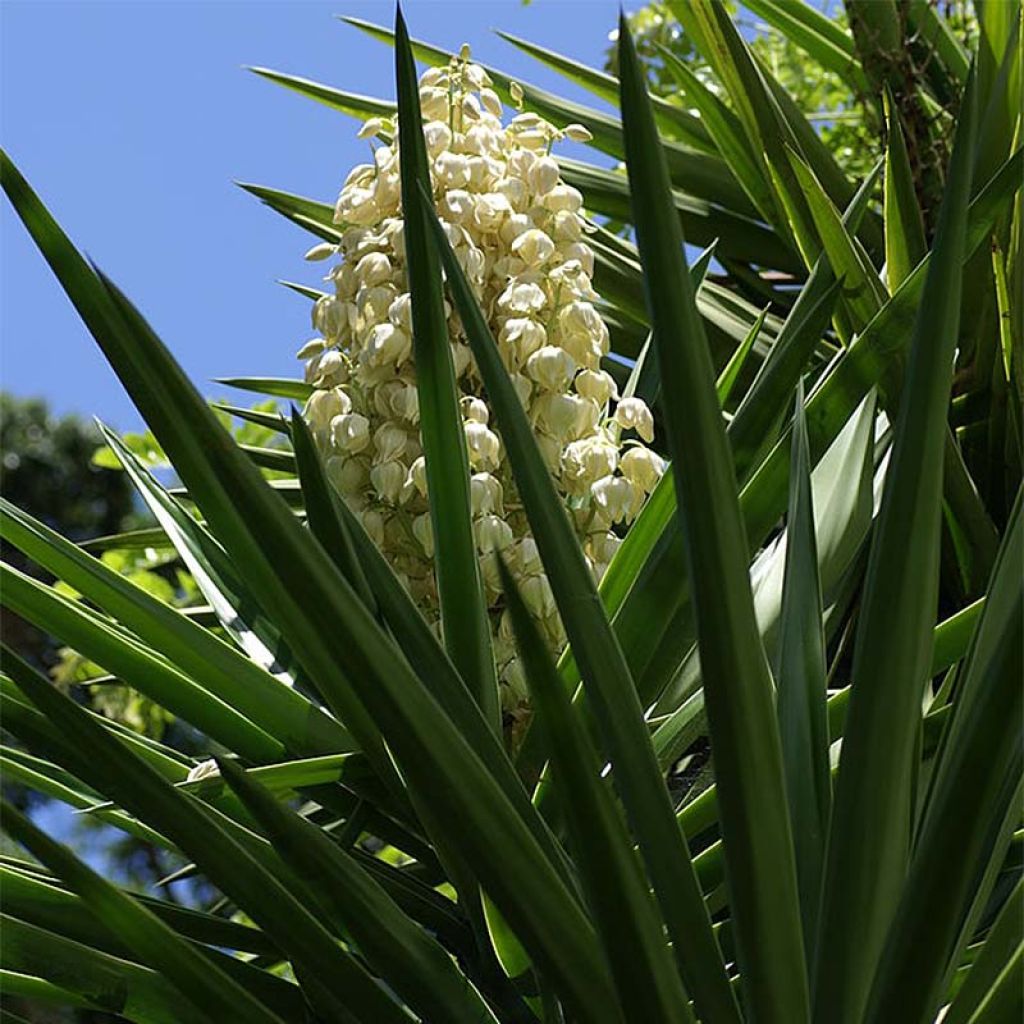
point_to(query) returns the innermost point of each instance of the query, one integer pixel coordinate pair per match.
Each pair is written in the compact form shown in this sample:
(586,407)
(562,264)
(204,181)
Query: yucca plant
(826,584)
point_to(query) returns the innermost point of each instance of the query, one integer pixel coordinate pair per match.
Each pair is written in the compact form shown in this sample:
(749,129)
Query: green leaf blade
(626,919)
(464,620)
(869,840)
(978,767)
(904,229)
(212,994)
(800,672)
(414,963)
(602,666)
(738,688)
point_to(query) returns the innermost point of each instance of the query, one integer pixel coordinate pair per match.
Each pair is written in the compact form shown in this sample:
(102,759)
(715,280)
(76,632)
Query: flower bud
(359,175)
(523,386)
(589,459)
(580,254)
(405,403)
(322,251)
(373,524)
(513,227)
(537,596)
(348,475)
(423,531)
(602,547)
(470,108)
(527,335)
(388,344)
(514,191)
(373,268)
(523,297)
(437,136)
(567,416)
(328,314)
(356,206)
(577,133)
(389,442)
(563,197)
(579,319)
(371,128)
(457,206)
(373,303)
(462,357)
(434,103)
(313,347)
(327,369)
(452,170)
(519,163)
(550,449)
(387,190)
(528,557)
(490,210)
(418,476)
(491,102)
(566,226)
(434,76)
(204,770)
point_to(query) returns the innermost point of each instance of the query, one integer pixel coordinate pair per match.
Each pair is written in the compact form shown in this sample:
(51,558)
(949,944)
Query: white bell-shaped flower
(633,414)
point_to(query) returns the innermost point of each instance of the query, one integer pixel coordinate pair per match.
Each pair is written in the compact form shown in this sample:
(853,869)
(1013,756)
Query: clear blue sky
(132,120)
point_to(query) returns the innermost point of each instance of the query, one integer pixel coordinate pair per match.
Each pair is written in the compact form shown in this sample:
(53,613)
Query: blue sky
(133,119)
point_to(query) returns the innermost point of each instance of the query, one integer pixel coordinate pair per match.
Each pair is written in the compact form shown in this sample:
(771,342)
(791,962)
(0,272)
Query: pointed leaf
(737,683)
(627,922)
(603,669)
(869,839)
(800,672)
(414,964)
(695,173)
(209,661)
(464,621)
(1002,943)
(978,768)
(113,647)
(904,230)
(211,993)
(671,119)
(820,37)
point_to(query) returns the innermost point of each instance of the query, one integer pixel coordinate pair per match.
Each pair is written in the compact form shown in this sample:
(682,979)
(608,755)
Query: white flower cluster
(518,232)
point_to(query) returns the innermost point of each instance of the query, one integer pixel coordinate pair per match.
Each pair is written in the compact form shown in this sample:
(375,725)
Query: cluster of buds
(518,232)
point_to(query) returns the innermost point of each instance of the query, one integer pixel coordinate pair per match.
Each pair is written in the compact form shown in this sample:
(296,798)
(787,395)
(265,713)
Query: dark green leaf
(464,620)
(737,683)
(869,841)
(630,929)
(212,994)
(800,672)
(602,666)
